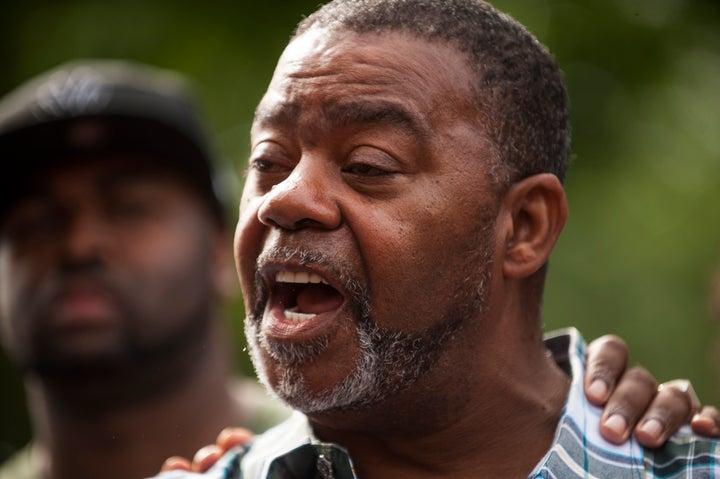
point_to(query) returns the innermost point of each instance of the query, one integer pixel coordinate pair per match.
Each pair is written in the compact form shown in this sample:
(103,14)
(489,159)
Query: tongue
(318,298)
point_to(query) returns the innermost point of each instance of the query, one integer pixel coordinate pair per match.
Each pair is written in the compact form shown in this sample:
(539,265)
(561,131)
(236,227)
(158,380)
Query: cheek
(5,283)
(18,272)
(247,243)
(16,293)
(399,259)
(171,272)
(418,268)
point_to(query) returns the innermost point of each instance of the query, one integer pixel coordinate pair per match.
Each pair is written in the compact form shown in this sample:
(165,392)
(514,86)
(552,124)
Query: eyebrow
(353,113)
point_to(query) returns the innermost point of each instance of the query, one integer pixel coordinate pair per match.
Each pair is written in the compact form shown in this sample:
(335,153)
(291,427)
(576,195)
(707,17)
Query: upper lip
(74,285)
(83,286)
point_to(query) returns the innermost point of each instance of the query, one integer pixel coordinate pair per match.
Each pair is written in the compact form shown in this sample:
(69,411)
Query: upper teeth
(298,277)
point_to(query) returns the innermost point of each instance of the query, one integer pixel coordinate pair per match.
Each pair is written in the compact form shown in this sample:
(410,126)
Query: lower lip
(277,326)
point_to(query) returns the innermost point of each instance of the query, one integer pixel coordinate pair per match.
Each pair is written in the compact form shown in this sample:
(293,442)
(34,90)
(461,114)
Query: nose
(83,235)
(305,199)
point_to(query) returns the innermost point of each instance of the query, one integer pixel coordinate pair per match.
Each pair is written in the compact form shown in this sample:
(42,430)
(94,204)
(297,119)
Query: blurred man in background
(114,257)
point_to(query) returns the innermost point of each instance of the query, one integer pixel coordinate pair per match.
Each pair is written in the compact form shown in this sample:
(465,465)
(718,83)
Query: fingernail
(598,389)
(617,424)
(652,427)
(204,452)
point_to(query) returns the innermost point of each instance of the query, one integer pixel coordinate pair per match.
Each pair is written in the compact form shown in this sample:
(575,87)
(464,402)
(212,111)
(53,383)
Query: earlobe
(537,210)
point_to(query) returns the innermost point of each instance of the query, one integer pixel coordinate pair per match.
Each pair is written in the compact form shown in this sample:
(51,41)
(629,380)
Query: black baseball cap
(98,106)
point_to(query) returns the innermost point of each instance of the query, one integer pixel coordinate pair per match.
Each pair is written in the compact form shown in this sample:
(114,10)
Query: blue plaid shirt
(291,451)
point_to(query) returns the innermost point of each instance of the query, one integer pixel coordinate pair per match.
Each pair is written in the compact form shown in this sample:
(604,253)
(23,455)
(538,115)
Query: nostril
(306,223)
(269,221)
(298,214)
(292,226)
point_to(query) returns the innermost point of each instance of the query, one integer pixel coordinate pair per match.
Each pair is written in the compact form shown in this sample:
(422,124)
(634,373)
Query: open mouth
(302,295)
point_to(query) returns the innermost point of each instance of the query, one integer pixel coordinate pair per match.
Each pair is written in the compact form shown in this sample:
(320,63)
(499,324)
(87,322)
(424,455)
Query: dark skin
(382,208)
(358,189)
(361,190)
(669,407)
(117,258)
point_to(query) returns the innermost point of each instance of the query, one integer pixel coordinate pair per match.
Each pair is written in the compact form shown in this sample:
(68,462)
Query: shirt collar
(292,450)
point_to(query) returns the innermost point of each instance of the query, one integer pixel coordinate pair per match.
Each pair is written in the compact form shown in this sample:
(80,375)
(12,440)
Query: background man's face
(103,263)
(366,226)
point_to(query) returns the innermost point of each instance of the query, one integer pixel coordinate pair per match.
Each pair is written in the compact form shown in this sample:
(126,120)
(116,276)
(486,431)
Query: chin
(356,391)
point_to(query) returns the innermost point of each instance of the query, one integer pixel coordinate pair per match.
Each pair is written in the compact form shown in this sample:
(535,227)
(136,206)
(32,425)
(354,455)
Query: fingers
(658,411)
(228,438)
(207,456)
(176,463)
(683,390)
(627,403)
(633,401)
(706,422)
(606,362)
(673,406)
(233,437)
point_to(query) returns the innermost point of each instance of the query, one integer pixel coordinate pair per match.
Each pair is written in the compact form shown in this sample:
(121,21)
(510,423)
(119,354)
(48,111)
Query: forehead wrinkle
(347,114)
(375,113)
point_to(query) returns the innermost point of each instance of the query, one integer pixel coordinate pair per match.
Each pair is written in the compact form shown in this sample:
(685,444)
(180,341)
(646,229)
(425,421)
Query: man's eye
(264,166)
(260,165)
(32,220)
(362,169)
(28,229)
(269,157)
(366,161)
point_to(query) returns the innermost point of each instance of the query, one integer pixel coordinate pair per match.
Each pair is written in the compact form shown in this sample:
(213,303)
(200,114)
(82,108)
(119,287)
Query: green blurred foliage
(642,242)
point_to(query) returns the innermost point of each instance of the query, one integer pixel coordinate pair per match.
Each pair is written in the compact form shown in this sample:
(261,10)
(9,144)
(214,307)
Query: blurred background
(642,244)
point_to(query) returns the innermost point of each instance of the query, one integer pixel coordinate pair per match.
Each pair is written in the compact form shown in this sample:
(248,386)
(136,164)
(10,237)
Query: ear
(535,210)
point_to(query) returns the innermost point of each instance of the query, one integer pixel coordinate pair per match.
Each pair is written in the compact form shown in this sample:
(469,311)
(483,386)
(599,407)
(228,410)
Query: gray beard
(389,360)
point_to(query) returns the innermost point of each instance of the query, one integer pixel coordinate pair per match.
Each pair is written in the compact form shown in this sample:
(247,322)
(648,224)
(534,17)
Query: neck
(494,417)
(130,440)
